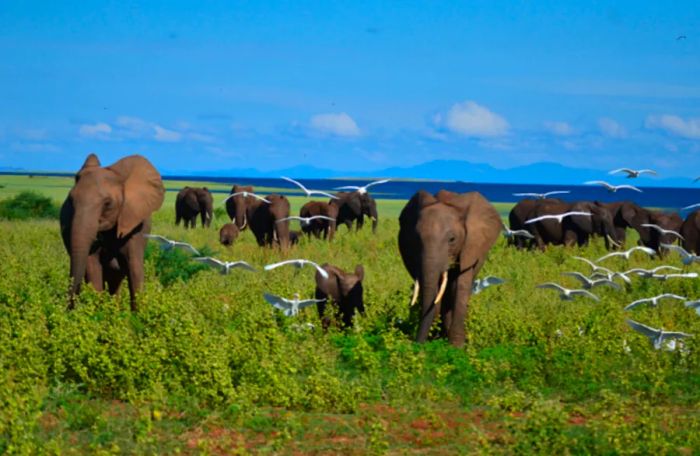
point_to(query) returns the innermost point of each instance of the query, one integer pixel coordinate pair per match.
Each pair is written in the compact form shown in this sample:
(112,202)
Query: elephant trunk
(431,282)
(83,233)
(282,230)
(240,219)
(374,217)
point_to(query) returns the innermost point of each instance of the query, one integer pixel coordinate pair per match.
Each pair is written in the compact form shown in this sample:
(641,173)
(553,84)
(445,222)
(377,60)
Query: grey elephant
(237,206)
(574,229)
(353,207)
(344,289)
(192,202)
(228,234)
(266,220)
(103,221)
(444,240)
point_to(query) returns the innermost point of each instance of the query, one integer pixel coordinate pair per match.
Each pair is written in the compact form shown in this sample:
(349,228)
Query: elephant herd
(607,220)
(443,238)
(268,217)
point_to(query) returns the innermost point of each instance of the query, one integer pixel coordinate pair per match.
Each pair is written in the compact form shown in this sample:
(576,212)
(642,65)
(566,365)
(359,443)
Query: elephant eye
(451,239)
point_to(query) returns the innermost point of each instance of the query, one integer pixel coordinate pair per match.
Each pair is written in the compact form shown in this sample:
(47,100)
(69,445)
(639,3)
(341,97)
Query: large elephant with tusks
(444,240)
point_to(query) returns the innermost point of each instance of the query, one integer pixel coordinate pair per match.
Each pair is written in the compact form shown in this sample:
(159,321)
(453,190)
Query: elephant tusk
(416,290)
(245,222)
(610,239)
(374,219)
(441,291)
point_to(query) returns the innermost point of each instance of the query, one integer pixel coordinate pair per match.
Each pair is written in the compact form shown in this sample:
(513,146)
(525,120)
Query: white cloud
(133,124)
(610,127)
(339,124)
(34,147)
(95,130)
(165,135)
(559,128)
(675,125)
(471,119)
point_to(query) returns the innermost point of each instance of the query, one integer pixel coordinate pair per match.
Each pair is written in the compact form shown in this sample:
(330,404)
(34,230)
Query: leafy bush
(28,205)
(207,366)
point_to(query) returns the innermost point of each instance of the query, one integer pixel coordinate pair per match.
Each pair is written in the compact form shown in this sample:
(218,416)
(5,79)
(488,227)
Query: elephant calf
(345,289)
(228,233)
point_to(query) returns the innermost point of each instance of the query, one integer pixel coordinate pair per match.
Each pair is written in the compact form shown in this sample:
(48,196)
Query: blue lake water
(666,197)
(672,198)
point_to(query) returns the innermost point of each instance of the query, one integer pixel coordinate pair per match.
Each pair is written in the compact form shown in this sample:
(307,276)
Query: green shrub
(28,205)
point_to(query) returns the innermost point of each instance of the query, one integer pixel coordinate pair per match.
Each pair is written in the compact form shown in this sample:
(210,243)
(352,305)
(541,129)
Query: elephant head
(690,230)
(369,208)
(600,223)
(228,234)
(237,206)
(444,240)
(344,288)
(116,199)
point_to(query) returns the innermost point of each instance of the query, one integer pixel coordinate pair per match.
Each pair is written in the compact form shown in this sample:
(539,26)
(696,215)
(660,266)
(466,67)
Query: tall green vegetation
(28,205)
(207,366)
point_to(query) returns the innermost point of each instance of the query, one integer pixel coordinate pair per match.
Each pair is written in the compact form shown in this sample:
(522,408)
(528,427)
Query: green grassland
(207,367)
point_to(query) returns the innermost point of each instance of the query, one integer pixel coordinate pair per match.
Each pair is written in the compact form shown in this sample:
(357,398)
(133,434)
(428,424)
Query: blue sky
(351,85)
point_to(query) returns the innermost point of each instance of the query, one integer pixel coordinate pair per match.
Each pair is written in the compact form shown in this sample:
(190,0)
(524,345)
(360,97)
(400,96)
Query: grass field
(207,367)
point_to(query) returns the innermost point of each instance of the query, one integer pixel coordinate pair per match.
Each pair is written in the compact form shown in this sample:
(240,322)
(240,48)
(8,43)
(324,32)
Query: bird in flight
(363,190)
(633,173)
(299,263)
(167,244)
(681,37)
(567,294)
(480,285)
(307,191)
(508,233)
(613,188)
(626,254)
(648,273)
(665,277)
(654,301)
(557,217)
(686,257)
(658,337)
(695,305)
(224,266)
(542,195)
(245,195)
(662,230)
(305,221)
(290,307)
(692,206)
(590,282)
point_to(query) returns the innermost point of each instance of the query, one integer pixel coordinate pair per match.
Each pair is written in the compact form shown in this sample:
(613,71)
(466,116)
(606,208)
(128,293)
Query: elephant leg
(132,265)
(447,306)
(114,275)
(360,222)
(457,331)
(321,308)
(93,272)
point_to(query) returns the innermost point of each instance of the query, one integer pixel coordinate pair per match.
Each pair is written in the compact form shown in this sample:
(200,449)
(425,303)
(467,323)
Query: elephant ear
(91,162)
(482,224)
(143,192)
(631,214)
(360,272)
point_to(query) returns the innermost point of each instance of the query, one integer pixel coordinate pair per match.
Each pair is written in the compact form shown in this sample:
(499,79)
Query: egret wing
(648,331)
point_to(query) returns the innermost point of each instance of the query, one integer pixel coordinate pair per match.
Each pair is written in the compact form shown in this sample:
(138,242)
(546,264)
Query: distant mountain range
(455,170)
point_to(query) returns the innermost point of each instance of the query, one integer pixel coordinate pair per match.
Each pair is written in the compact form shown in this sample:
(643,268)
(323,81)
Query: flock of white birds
(600,276)
(289,306)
